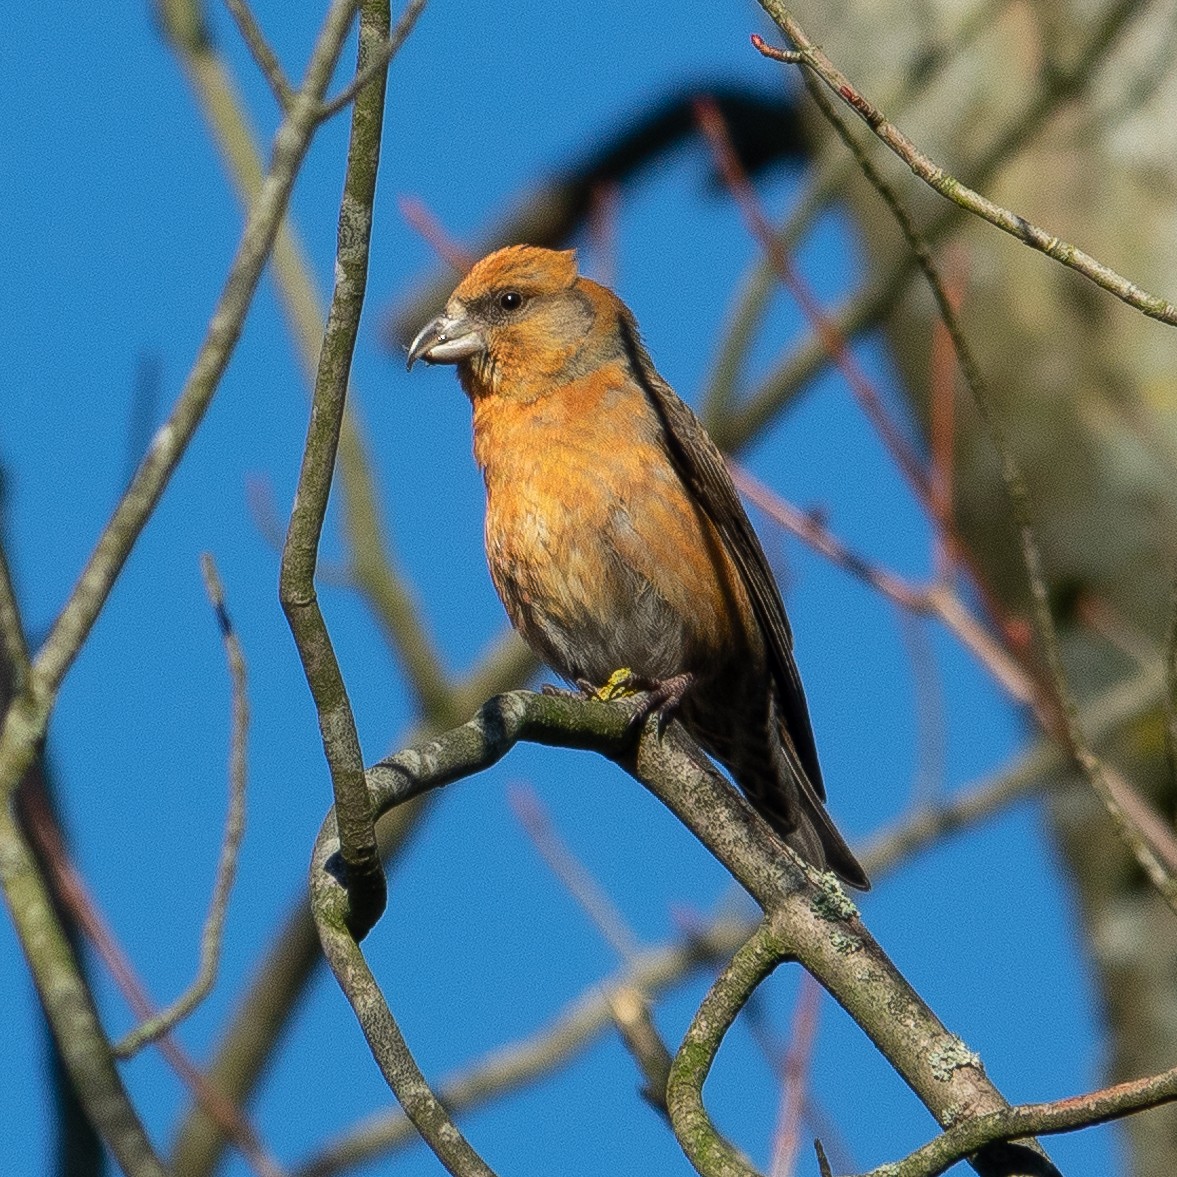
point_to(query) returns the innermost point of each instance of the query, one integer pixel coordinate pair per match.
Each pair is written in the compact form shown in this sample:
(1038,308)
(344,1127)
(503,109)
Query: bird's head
(520,324)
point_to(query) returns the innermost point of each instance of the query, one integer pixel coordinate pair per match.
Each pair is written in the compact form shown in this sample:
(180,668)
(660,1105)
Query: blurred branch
(634,1020)
(62,988)
(68,1005)
(45,835)
(77,1149)
(135,508)
(575,877)
(1170,699)
(374,569)
(766,129)
(513,1065)
(257,45)
(794,1077)
(808,917)
(864,392)
(936,600)
(810,56)
(1059,86)
(359,854)
(210,940)
(828,178)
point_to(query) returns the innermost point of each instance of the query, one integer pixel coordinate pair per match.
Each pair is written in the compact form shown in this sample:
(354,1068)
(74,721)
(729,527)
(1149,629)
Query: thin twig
(864,311)
(507,1068)
(812,58)
(74,622)
(715,129)
(513,1065)
(380,57)
(942,382)
(1015,1123)
(422,219)
(795,1078)
(826,182)
(259,47)
(812,919)
(69,1006)
(210,941)
(934,601)
(76,895)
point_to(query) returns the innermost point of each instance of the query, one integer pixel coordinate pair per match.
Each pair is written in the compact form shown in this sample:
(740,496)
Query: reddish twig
(812,58)
(712,124)
(74,893)
(420,218)
(795,1078)
(935,601)
(572,873)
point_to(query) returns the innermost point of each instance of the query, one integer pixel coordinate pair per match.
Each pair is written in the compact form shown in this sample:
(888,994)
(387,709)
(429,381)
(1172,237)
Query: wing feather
(703,470)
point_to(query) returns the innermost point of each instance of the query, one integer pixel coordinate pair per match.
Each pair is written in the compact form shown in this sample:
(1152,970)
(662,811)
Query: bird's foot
(663,696)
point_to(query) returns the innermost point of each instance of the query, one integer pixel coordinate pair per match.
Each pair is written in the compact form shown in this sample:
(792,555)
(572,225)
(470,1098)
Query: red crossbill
(615,536)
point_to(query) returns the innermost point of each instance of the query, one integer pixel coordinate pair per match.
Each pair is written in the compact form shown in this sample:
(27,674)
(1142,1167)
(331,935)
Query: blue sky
(119,225)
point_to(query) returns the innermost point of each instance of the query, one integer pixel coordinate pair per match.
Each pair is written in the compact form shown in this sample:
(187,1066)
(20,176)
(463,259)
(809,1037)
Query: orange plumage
(614,534)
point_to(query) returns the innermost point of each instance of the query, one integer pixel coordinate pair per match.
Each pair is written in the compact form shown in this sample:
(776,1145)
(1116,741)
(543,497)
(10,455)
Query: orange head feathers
(614,534)
(521,323)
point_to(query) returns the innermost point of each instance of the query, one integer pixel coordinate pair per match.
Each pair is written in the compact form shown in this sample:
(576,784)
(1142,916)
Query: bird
(615,536)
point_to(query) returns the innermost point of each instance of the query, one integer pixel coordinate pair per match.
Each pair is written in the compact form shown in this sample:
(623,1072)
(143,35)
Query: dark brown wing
(701,467)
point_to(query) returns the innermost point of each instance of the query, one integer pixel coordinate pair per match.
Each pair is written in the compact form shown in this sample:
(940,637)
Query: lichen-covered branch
(812,919)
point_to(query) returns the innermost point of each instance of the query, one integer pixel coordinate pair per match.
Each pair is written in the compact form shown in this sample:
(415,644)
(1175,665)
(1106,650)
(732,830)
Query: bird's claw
(662,696)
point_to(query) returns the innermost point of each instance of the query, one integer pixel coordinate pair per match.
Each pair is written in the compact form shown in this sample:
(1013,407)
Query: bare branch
(1149,840)
(706,1149)
(137,504)
(811,918)
(359,851)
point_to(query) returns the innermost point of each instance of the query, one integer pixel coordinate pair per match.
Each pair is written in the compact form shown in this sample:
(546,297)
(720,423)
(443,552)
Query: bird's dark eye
(510,300)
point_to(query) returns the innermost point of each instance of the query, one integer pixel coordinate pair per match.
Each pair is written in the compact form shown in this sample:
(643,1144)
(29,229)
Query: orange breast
(598,552)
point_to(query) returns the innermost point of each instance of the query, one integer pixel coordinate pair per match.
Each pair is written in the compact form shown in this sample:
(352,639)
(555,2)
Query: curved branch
(706,1149)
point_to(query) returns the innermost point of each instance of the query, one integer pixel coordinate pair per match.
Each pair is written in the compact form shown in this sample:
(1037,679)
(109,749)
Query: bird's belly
(577,600)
